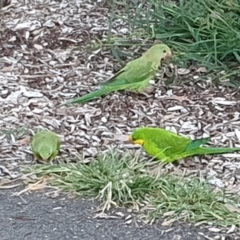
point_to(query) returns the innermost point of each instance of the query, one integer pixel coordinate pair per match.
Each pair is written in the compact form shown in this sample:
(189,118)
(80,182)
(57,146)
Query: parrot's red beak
(168,56)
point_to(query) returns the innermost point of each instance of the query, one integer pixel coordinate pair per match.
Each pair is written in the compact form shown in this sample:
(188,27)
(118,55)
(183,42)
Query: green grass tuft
(193,200)
(205,32)
(127,181)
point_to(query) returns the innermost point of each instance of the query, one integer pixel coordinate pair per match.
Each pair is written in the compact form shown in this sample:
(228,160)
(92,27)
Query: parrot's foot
(146,92)
(149,89)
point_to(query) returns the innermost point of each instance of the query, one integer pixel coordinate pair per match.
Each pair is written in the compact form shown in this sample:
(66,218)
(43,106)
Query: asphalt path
(38,216)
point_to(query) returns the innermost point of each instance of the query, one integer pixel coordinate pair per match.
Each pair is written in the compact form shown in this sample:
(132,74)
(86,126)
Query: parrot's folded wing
(113,78)
(135,72)
(194,144)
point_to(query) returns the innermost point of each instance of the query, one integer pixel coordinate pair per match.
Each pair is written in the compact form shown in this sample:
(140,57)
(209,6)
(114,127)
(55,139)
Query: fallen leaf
(178,98)
(168,223)
(24,141)
(183,71)
(232,208)
(121,137)
(202,70)
(6,69)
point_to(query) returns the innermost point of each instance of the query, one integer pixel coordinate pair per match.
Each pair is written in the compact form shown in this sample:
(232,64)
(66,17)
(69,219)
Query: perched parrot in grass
(169,147)
(45,145)
(134,76)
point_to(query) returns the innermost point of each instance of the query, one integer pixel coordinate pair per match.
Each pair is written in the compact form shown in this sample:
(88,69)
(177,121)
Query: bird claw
(148,90)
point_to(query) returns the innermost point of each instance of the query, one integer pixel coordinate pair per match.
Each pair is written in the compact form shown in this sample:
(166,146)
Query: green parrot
(169,147)
(134,76)
(45,145)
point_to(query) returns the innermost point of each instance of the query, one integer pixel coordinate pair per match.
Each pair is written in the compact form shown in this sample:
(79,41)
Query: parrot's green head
(159,52)
(139,136)
(45,152)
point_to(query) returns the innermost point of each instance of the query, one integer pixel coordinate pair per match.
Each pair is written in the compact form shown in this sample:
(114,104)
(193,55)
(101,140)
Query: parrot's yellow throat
(138,141)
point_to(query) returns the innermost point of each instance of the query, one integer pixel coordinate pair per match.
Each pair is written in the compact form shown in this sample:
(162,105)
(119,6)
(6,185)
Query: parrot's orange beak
(139,141)
(169,55)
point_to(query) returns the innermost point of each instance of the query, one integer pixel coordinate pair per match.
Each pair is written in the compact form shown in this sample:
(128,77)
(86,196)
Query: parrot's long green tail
(89,96)
(214,150)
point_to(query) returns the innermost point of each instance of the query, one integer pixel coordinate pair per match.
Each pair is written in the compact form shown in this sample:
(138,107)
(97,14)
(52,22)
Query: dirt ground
(49,55)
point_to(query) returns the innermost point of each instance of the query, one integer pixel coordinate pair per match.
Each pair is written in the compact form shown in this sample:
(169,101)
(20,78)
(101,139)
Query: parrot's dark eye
(164,51)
